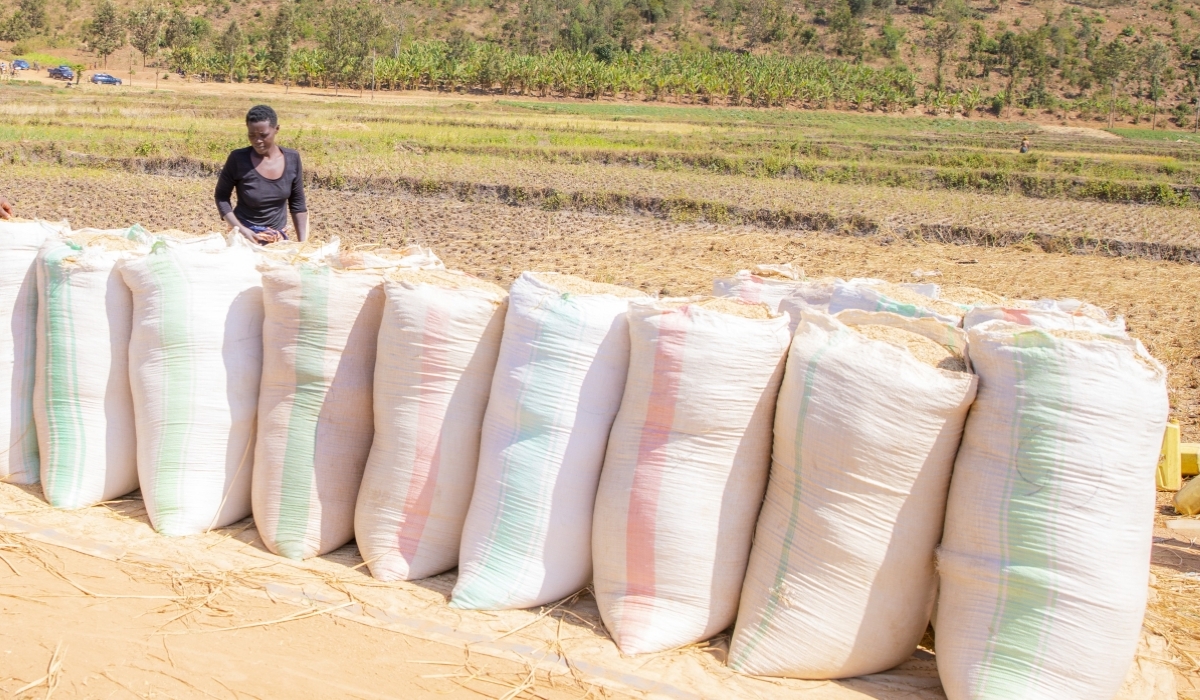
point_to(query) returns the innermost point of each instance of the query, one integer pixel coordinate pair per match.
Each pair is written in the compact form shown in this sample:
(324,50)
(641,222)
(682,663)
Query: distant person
(1025,145)
(6,210)
(269,181)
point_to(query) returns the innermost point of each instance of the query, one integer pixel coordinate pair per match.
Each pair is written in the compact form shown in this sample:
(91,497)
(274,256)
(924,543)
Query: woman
(269,181)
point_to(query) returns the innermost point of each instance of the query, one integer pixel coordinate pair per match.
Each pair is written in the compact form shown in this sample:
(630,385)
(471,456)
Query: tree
(181,31)
(350,32)
(848,30)
(1110,63)
(29,19)
(279,45)
(231,45)
(104,33)
(1154,60)
(146,29)
(941,36)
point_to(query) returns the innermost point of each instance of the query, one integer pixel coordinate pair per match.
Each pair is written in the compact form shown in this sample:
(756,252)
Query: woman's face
(262,136)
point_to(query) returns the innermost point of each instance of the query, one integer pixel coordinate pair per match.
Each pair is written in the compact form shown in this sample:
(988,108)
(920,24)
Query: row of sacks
(889,478)
(570,432)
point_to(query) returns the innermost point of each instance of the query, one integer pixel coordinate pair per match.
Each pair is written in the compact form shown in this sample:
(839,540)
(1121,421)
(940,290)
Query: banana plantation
(708,78)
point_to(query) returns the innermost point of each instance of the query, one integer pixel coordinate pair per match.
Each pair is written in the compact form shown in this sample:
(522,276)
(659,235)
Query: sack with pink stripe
(438,343)
(556,390)
(767,284)
(685,471)
(316,422)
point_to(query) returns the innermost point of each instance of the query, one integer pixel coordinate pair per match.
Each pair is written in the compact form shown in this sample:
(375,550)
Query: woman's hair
(262,113)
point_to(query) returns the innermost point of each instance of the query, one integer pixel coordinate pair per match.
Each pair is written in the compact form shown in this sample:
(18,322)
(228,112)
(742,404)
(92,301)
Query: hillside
(1087,59)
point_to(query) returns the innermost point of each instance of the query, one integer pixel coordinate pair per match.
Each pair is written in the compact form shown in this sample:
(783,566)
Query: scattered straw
(970,296)
(52,677)
(922,348)
(445,279)
(571,284)
(287,618)
(735,307)
(107,241)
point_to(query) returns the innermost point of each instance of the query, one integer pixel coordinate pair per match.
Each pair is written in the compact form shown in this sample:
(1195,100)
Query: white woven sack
(438,344)
(1060,448)
(685,472)
(841,579)
(1061,314)
(557,386)
(195,360)
(315,418)
(866,295)
(767,284)
(82,401)
(808,295)
(19,244)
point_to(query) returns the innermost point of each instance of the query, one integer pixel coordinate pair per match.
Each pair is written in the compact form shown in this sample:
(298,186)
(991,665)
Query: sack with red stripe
(320,328)
(685,471)
(767,284)
(438,344)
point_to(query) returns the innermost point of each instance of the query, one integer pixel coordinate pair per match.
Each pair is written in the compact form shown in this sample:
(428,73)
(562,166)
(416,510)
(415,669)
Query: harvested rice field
(658,198)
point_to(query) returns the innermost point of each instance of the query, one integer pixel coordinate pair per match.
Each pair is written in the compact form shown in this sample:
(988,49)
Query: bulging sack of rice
(556,390)
(20,241)
(315,418)
(1046,549)
(1060,314)
(195,360)
(912,300)
(686,467)
(766,284)
(438,344)
(82,401)
(841,578)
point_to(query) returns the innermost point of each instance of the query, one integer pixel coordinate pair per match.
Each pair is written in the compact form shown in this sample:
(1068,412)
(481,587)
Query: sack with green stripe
(1045,558)
(438,344)
(557,386)
(686,468)
(912,300)
(315,408)
(82,402)
(195,360)
(841,580)
(20,241)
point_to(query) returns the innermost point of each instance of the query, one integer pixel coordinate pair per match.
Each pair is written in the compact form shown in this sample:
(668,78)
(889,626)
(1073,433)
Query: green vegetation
(489,140)
(1137,62)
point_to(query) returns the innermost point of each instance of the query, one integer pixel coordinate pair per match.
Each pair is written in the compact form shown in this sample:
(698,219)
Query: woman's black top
(261,201)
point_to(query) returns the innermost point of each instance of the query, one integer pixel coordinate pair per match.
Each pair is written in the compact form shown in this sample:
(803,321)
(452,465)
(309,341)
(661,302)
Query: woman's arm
(297,203)
(300,220)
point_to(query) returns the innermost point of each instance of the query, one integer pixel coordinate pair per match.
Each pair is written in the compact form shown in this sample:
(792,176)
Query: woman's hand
(6,210)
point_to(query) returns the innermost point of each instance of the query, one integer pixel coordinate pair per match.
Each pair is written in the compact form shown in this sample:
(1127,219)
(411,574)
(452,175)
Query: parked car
(105,79)
(62,73)
(20,64)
